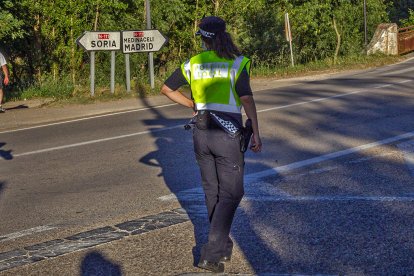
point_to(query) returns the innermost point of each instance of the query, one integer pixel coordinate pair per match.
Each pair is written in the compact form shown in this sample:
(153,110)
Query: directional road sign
(142,41)
(100,41)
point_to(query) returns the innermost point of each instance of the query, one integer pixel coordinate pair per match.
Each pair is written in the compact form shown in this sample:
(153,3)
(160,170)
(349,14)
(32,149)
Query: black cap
(210,26)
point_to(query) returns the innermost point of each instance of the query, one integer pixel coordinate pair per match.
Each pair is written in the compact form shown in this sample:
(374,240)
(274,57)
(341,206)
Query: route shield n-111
(100,41)
(142,41)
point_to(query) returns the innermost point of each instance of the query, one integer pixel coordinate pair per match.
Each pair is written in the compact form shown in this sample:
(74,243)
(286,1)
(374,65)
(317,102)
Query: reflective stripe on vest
(187,69)
(233,72)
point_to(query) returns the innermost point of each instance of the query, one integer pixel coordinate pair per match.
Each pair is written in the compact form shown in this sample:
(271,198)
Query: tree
(408,21)
(39,35)
(10,27)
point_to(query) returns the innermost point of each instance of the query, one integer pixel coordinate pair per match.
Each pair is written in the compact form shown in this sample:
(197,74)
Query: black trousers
(222,167)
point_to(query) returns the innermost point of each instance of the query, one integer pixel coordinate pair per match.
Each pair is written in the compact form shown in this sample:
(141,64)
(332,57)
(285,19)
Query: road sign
(100,41)
(142,41)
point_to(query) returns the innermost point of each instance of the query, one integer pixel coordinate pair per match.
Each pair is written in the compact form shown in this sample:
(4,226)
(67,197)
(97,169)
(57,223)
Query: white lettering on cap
(206,34)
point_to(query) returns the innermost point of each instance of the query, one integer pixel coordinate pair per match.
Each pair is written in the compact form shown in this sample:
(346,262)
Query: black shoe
(211,266)
(225,259)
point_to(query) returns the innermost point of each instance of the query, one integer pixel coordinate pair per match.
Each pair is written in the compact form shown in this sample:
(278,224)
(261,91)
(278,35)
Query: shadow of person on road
(179,171)
(175,157)
(327,217)
(95,264)
(2,186)
(5,154)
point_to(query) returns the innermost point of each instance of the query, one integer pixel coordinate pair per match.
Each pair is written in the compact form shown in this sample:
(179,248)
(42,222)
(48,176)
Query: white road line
(382,86)
(177,126)
(331,168)
(326,157)
(166,105)
(27,232)
(88,118)
(399,72)
(331,97)
(274,194)
(96,141)
(312,101)
(329,198)
(404,81)
(407,149)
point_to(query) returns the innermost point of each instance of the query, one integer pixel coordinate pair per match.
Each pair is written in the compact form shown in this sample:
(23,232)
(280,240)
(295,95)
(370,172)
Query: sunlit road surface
(331,193)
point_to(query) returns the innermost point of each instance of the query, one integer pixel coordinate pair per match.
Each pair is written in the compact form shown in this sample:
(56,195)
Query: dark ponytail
(223,45)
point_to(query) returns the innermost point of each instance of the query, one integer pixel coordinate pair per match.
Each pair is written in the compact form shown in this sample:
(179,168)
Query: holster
(246,135)
(203,119)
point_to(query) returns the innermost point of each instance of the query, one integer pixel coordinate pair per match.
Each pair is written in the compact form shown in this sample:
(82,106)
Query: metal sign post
(127,73)
(132,42)
(100,41)
(92,73)
(112,72)
(150,55)
(365,25)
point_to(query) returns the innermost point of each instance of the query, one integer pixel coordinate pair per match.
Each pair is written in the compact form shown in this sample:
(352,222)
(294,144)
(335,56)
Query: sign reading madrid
(142,41)
(100,41)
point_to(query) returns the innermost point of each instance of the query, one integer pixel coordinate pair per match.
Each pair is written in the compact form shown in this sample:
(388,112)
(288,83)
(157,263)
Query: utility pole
(365,24)
(150,55)
(288,32)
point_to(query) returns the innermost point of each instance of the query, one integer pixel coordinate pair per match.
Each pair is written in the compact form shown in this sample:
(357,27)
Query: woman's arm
(177,96)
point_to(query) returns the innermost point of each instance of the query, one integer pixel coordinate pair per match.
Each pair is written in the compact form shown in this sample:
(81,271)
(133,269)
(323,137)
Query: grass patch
(320,67)
(63,91)
(49,88)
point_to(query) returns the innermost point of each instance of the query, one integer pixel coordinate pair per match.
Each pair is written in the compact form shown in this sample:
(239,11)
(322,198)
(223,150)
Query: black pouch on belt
(203,119)
(247,132)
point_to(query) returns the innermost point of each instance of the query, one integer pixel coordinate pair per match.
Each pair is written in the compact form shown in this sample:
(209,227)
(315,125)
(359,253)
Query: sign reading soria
(142,41)
(100,41)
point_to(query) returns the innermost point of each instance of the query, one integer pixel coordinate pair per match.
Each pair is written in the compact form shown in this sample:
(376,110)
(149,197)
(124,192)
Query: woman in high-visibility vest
(220,87)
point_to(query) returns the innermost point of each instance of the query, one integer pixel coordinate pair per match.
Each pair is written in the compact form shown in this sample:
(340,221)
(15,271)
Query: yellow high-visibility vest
(213,79)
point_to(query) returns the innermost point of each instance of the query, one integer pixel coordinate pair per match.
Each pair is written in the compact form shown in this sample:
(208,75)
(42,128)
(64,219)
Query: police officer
(220,87)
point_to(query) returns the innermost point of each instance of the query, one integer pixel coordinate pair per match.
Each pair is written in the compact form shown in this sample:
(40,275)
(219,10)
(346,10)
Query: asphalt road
(331,193)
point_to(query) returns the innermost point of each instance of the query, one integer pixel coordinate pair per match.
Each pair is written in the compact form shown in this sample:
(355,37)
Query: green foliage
(10,27)
(408,21)
(38,36)
(399,10)
(49,88)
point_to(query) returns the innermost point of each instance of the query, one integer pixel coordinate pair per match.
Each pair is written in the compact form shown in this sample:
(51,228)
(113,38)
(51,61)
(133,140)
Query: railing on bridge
(405,40)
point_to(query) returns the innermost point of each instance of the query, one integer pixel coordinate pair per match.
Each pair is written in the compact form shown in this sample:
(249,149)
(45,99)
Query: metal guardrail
(405,40)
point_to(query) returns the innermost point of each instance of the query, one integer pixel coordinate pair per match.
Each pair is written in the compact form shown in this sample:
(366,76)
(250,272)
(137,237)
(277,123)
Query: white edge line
(329,198)
(253,177)
(158,130)
(97,141)
(296,165)
(166,105)
(312,101)
(405,81)
(26,232)
(289,198)
(168,128)
(88,118)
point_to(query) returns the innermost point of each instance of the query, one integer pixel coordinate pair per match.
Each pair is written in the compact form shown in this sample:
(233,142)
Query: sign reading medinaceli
(142,41)
(100,41)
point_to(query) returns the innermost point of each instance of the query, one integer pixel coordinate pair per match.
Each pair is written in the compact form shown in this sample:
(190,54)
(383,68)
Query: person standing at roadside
(4,81)
(220,87)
